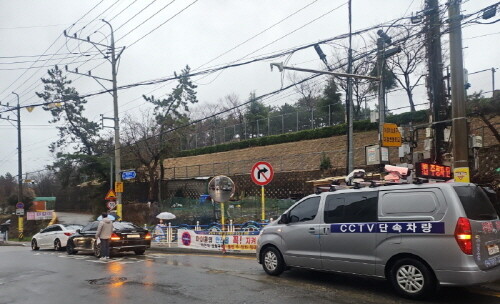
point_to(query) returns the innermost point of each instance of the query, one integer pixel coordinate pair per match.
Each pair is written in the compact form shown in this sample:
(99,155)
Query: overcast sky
(203,31)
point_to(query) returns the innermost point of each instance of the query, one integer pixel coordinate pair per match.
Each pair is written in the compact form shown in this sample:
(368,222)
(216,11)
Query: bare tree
(309,92)
(406,64)
(360,87)
(141,139)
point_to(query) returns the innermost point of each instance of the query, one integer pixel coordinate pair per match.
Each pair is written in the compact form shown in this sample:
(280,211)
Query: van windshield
(476,203)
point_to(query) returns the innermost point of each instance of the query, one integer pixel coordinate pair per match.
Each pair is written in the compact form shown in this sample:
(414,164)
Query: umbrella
(111,217)
(166,216)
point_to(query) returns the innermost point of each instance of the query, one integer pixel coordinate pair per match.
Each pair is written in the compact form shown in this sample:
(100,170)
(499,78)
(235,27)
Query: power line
(49,48)
(260,33)
(147,19)
(175,15)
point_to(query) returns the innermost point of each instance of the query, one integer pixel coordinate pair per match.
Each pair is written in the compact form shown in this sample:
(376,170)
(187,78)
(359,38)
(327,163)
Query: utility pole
(460,134)
(114,62)
(350,103)
(436,89)
(20,218)
(381,94)
(493,70)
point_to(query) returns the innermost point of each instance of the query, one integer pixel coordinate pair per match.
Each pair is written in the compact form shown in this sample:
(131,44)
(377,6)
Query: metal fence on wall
(215,132)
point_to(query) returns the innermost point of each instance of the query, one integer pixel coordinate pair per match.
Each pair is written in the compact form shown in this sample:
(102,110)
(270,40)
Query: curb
(13,244)
(194,251)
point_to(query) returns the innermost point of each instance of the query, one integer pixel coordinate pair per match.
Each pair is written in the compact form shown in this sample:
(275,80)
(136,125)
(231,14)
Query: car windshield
(125,226)
(73,227)
(476,203)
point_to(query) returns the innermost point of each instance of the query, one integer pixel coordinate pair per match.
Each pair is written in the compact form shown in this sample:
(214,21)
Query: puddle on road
(108,281)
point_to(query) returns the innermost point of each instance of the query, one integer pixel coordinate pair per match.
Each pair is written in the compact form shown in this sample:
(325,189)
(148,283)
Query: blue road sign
(19,205)
(128,175)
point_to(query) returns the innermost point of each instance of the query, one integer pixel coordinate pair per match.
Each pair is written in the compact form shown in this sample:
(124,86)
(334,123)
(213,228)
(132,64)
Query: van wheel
(272,262)
(412,279)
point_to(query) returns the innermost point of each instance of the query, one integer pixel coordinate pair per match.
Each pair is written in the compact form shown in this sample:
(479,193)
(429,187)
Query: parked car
(126,237)
(54,236)
(416,236)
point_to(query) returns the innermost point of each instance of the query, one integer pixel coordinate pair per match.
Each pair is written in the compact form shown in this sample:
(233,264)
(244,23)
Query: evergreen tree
(256,117)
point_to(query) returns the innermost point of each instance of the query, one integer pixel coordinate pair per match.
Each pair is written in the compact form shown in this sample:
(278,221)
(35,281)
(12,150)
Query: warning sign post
(262,173)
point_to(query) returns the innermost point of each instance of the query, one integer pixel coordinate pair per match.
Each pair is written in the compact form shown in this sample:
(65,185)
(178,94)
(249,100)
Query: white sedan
(54,236)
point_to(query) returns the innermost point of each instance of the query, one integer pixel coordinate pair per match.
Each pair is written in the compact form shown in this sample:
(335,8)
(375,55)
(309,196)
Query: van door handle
(312,230)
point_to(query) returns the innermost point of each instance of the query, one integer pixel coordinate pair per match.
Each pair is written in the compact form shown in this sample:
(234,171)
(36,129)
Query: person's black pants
(104,248)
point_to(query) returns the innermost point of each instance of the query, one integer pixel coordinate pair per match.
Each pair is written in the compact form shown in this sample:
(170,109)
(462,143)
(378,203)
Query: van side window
(351,207)
(305,211)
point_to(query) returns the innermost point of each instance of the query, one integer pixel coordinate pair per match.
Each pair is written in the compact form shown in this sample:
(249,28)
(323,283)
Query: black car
(126,237)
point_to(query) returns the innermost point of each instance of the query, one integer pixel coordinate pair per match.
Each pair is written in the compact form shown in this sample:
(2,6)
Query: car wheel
(97,250)
(272,262)
(412,279)
(57,245)
(70,248)
(139,252)
(34,245)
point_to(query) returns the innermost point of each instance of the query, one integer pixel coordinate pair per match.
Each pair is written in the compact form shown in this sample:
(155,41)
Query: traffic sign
(20,205)
(391,137)
(262,173)
(119,187)
(128,175)
(111,205)
(111,195)
(462,175)
(20,211)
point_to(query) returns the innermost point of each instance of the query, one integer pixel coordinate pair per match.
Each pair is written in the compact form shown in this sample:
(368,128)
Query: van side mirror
(78,230)
(285,219)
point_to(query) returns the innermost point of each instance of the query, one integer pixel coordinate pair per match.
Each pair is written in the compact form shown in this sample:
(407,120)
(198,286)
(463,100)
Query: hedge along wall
(340,129)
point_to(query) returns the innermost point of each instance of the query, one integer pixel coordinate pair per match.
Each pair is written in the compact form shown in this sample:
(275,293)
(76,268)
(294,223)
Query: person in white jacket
(104,231)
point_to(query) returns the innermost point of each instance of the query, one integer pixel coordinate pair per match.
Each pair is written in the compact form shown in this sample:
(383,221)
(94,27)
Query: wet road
(54,277)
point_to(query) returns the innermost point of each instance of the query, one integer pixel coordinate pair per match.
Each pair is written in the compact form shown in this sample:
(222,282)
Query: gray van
(416,236)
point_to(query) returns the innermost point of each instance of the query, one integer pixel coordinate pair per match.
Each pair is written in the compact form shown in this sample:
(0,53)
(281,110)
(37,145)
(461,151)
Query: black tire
(70,248)
(272,261)
(140,251)
(57,245)
(97,250)
(412,279)
(34,245)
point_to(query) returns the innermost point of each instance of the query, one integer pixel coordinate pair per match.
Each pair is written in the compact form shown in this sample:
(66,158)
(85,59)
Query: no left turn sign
(262,173)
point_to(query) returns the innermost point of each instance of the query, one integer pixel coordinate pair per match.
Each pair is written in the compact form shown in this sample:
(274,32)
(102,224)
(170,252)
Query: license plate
(133,236)
(492,249)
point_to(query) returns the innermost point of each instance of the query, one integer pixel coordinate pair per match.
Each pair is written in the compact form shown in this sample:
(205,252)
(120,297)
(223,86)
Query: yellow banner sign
(391,137)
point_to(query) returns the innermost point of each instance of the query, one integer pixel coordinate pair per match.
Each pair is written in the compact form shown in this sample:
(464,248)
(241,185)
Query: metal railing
(215,132)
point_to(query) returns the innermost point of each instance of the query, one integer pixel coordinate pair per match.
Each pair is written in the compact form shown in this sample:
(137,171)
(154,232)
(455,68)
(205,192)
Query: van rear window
(476,203)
